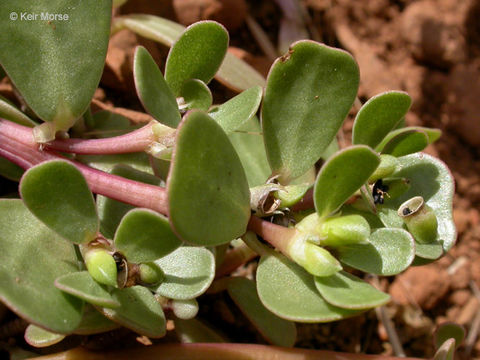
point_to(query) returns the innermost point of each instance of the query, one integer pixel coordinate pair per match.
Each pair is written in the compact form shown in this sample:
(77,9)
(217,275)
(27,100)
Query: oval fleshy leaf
(431,251)
(10,112)
(144,235)
(300,300)
(248,142)
(58,195)
(232,114)
(406,143)
(197,54)
(10,171)
(93,322)
(58,85)
(350,292)
(194,331)
(233,73)
(308,95)
(138,311)
(432,135)
(342,175)
(431,179)
(209,198)
(196,95)
(291,194)
(378,116)
(38,337)
(112,211)
(447,331)
(189,271)
(32,257)
(389,252)
(152,89)
(446,351)
(81,285)
(275,330)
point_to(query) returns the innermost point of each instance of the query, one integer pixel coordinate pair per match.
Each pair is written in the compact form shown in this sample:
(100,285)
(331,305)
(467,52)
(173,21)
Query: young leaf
(59,84)
(300,300)
(209,198)
(10,112)
(342,175)
(197,54)
(143,235)
(57,194)
(432,135)
(38,337)
(406,143)
(350,292)
(447,331)
(234,113)
(308,95)
(234,73)
(138,311)
(277,331)
(10,171)
(389,252)
(378,116)
(196,95)
(32,257)
(81,285)
(248,142)
(189,271)
(152,89)
(431,251)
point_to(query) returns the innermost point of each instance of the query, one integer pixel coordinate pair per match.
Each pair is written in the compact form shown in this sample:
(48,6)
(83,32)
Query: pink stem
(275,234)
(112,186)
(211,351)
(134,141)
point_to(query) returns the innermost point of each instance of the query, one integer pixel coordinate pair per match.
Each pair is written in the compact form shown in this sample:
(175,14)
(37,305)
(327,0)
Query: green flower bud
(420,219)
(185,309)
(151,274)
(311,225)
(396,187)
(388,164)
(345,230)
(101,266)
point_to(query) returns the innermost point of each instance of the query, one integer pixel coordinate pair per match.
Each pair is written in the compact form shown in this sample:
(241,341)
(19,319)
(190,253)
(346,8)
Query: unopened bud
(345,230)
(420,219)
(151,274)
(101,266)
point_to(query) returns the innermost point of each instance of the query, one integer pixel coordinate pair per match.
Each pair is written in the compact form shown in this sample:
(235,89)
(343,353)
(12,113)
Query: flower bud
(151,274)
(388,164)
(345,230)
(420,219)
(185,309)
(101,266)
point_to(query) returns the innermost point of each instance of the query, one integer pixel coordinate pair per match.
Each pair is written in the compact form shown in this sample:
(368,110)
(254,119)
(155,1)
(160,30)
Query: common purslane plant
(184,200)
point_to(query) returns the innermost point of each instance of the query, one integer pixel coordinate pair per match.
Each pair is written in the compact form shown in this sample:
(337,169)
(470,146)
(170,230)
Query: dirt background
(429,49)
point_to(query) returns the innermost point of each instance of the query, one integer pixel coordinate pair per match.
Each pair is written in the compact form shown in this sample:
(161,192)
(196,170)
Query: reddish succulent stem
(213,351)
(275,234)
(134,141)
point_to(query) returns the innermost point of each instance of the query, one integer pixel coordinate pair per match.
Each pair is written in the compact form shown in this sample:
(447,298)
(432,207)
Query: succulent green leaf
(406,143)
(10,112)
(276,330)
(389,252)
(196,95)
(248,142)
(300,300)
(447,331)
(144,235)
(112,211)
(58,195)
(138,311)
(432,135)
(431,251)
(446,351)
(32,257)
(10,170)
(59,84)
(138,161)
(378,116)
(152,89)
(342,175)
(82,285)
(189,271)
(185,309)
(234,73)
(431,179)
(195,331)
(292,194)
(209,198)
(234,113)
(308,95)
(94,322)
(104,124)
(38,337)
(197,54)
(350,292)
